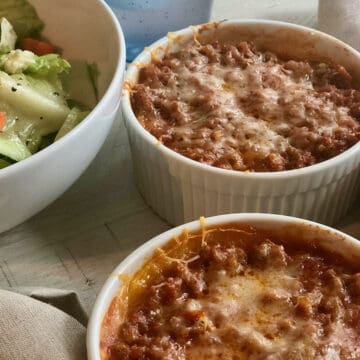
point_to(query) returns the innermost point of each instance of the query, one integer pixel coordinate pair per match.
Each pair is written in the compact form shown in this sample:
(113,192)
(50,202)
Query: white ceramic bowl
(180,189)
(88,30)
(328,238)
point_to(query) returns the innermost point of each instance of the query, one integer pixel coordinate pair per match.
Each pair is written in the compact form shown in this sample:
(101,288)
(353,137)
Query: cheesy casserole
(239,108)
(237,292)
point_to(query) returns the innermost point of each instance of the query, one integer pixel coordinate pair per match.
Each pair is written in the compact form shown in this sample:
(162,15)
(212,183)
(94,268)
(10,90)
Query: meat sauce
(237,292)
(238,108)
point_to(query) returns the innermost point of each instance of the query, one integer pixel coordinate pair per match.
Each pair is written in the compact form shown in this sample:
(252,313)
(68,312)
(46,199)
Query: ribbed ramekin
(328,238)
(180,189)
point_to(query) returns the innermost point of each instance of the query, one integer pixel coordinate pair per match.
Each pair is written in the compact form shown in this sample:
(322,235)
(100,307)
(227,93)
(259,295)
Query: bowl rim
(140,254)
(130,118)
(112,88)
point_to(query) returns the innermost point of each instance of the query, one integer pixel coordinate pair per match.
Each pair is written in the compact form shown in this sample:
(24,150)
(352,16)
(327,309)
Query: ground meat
(268,254)
(237,293)
(353,286)
(304,307)
(239,108)
(168,290)
(232,259)
(159,349)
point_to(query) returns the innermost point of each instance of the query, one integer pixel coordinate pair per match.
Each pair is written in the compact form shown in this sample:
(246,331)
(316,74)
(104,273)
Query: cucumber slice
(74,118)
(12,147)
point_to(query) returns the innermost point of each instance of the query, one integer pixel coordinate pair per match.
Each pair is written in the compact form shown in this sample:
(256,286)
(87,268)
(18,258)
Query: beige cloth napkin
(65,300)
(341,18)
(34,330)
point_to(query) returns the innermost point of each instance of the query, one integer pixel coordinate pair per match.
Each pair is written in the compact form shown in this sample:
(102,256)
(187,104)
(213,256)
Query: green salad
(39,90)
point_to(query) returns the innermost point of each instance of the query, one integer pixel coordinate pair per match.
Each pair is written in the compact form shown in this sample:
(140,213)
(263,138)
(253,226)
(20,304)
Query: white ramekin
(329,238)
(180,189)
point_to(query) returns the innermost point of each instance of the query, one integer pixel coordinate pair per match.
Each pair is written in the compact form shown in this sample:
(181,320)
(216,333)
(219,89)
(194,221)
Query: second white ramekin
(326,237)
(180,189)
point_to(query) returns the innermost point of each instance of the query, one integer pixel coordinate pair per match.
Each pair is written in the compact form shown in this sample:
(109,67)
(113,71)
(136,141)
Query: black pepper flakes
(13,89)
(41,117)
(56,93)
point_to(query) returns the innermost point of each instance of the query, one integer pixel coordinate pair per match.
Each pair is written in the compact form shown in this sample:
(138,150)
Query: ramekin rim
(129,116)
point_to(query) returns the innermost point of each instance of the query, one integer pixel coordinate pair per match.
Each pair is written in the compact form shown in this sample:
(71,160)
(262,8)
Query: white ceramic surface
(180,189)
(327,237)
(88,30)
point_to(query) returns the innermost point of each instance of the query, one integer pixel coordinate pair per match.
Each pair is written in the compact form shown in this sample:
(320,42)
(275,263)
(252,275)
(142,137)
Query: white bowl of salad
(61,70)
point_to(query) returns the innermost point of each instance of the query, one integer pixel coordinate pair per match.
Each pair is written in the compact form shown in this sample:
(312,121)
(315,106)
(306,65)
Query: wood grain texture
(77,241)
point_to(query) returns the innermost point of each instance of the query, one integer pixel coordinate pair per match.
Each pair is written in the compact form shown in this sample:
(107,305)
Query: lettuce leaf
(31,90)
(80,83)
(48,65)
(74,118)
(34,105)
(18,61)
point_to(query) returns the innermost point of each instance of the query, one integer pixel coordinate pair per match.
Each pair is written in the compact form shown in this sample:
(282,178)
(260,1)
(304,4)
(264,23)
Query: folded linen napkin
(65,300)
(340,18)
(34,330)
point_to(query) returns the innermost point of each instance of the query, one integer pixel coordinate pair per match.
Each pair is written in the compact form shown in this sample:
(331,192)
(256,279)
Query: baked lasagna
(236,292)
(236,107)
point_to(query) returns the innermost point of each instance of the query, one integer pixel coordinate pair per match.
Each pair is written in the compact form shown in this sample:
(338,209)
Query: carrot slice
(2,119)
(36,46)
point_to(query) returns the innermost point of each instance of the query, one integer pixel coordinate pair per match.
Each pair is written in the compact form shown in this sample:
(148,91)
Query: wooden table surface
(77,241)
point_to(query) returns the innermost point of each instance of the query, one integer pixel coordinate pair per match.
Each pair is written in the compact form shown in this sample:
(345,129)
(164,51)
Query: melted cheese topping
(256,311)
(238,128)
(236,108)
(242,296)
